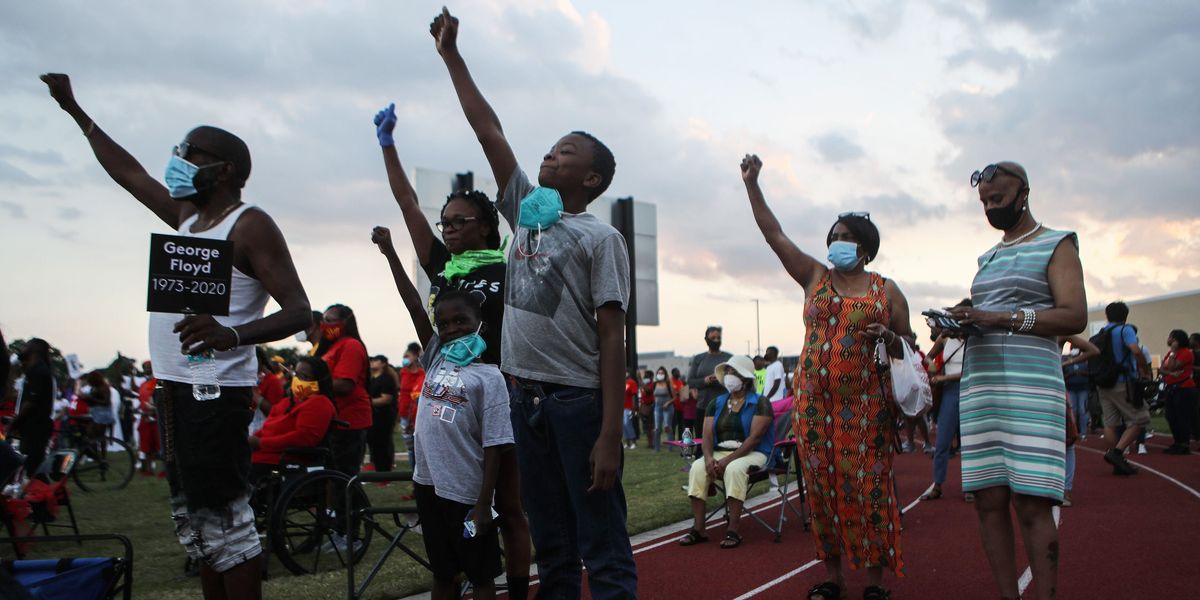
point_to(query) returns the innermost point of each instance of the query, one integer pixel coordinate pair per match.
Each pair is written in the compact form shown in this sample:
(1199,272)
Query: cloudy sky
(855,105)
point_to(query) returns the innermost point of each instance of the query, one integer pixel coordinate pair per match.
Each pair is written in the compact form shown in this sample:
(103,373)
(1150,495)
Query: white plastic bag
(910,381)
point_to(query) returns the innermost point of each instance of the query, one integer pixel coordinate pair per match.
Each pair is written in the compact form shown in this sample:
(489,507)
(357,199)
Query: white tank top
(248,298)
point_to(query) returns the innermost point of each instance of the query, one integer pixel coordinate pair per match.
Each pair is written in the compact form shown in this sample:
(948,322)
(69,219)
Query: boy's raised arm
(480,115)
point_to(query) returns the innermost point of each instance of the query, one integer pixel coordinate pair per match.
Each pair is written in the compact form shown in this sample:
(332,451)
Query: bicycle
(105,462)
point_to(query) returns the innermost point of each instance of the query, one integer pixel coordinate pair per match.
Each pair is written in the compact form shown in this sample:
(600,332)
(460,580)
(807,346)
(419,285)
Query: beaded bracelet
(1030,317)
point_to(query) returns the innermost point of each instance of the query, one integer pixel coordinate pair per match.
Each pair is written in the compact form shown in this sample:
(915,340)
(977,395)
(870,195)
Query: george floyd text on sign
(189,275)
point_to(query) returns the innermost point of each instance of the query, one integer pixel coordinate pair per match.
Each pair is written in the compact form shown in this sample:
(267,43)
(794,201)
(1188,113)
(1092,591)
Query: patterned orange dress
(844,423)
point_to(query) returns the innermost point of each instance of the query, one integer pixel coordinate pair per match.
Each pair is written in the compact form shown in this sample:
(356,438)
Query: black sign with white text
(189,275)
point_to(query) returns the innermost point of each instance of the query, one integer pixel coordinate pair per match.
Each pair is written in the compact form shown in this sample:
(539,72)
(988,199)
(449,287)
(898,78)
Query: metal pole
(623,221)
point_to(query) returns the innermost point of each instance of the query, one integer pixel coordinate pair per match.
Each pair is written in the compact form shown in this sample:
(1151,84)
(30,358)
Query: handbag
(910,381)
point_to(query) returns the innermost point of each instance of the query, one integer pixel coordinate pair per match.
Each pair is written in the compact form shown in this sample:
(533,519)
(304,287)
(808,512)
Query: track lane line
(806,566)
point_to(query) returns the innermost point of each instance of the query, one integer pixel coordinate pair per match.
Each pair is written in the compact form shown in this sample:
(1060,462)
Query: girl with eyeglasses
(466,256)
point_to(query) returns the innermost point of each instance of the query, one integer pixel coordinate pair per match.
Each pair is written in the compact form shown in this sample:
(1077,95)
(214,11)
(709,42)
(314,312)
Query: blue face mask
(843,255)
(404,362)
(464,350)
(540,209)
(180,178)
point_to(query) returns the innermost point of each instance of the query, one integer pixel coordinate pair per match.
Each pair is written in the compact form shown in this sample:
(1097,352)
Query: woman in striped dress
(844,418)
(1028,290)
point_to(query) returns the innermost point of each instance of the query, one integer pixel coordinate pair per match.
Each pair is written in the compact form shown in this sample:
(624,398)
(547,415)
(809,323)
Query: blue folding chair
(72,578)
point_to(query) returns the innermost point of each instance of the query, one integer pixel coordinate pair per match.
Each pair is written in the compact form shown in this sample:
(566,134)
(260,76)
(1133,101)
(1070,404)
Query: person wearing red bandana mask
(343,350)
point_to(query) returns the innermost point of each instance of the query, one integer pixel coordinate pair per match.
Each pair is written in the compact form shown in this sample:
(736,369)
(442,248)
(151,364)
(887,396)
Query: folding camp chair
(403,518)
(784,456)
(48,490)
(74,578)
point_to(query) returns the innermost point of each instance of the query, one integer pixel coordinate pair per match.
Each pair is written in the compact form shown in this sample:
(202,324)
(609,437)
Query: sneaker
(928,450)
(1141,449)
(337,543)
(1066,500)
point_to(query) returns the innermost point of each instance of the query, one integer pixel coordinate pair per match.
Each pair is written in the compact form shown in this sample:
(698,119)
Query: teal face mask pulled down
(540,209)
(464,350)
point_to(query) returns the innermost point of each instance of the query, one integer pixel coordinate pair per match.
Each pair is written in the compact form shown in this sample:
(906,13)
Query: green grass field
(652,486)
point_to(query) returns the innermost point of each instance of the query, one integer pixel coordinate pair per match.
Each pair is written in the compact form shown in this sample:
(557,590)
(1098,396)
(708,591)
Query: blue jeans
(947,430)
(1079,404)
(1070,467)
(627,424)
(662,423)
(554,435)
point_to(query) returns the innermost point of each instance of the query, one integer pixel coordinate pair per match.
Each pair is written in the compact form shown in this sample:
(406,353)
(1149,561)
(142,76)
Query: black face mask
(713,345)
(1005,217)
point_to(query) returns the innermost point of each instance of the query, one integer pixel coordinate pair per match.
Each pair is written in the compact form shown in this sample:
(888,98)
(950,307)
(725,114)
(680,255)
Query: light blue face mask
(843,255)
(180,178)
(464,350)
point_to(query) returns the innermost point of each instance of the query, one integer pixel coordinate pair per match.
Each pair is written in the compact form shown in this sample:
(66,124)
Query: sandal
(932,494)
(693,537)
(969,497)
(732,540)
(825,591)
(876,593)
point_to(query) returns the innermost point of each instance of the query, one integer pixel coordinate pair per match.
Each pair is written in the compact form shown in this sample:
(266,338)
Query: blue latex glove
(385,122)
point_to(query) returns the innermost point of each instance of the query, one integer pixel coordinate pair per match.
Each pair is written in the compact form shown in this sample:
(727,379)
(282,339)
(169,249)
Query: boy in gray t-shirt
(563,346)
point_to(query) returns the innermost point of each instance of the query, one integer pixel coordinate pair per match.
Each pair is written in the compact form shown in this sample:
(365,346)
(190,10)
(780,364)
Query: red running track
(1125,537)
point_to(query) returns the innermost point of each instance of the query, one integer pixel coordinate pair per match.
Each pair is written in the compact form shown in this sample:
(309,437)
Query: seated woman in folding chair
(737,436)
(301,421)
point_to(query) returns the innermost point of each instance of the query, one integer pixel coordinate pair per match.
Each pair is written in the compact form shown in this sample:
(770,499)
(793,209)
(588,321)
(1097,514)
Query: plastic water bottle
(687,436)
(203,368)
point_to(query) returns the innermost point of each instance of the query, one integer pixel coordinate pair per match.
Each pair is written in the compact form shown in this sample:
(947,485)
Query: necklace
(1036,227)
(220,217)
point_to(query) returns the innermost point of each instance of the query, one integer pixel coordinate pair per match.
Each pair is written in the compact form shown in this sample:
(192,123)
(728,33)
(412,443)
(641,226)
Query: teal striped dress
(1013,412)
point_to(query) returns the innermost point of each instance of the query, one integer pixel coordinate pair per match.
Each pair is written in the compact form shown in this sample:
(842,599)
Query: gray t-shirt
(578,265)
(462,410)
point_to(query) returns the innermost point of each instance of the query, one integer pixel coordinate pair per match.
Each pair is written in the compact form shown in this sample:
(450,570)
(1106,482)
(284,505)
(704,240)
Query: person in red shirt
(148,425)
(677,404)
(412,377)
(630,411)
(1181,390)
(342,348)
(301,421)
(270,385)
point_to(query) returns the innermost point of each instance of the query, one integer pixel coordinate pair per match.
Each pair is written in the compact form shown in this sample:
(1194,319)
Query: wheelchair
(300,509)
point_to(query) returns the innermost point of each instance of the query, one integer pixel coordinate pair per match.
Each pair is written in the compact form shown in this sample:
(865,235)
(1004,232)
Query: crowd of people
(518,398)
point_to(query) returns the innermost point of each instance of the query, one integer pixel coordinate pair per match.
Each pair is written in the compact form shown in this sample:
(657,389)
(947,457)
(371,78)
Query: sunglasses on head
(989,172)
(861,214)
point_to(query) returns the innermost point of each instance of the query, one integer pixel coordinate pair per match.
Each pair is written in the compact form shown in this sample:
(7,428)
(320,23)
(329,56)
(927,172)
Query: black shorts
(449,552)
(209,462)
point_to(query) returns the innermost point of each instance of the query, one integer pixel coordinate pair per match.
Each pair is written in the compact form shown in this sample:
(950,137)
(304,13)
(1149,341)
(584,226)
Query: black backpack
(1104,369)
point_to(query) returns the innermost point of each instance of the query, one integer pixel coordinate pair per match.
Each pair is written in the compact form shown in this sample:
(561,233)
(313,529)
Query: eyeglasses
(454,224)
(989,172)
(862,214)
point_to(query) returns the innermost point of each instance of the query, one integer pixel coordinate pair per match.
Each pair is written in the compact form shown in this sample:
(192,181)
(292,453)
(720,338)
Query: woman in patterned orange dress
(844,418)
